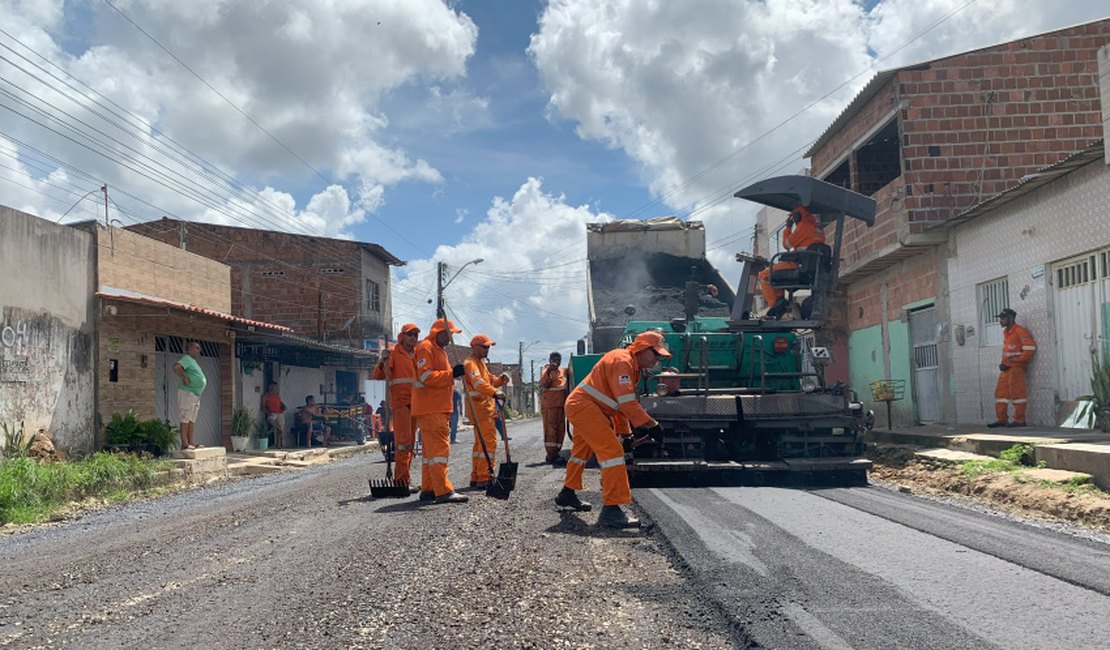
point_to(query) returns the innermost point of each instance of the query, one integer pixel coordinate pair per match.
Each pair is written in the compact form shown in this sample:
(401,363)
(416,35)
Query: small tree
(1097,407)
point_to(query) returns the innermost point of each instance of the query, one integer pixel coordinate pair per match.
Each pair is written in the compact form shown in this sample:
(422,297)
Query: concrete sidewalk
(1076,450)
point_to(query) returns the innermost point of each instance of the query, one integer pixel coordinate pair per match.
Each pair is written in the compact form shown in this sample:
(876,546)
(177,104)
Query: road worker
(482,389)
(431,405)
(400,363)
(802,231)
(603,407)
(1018,348)
(553,383)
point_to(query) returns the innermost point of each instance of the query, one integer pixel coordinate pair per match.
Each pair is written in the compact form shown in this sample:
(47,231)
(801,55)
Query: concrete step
(1060,476)
(945,456)
(1089,458)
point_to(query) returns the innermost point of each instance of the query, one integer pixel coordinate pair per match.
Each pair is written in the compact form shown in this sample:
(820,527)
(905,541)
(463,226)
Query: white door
(168,349)
(1082,286)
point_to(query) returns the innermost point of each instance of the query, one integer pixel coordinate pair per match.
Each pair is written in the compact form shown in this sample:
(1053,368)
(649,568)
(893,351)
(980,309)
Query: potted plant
(158,437)
(242,424)
(262,434)
(121,431)
(1097,405)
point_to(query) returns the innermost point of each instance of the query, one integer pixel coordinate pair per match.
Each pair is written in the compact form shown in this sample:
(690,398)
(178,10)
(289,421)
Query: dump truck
(743,399)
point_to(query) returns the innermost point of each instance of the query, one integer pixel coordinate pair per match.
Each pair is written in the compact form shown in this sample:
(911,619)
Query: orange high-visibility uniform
(797,237)
(1018,347)
(482,409)
(402,377)
(553,383)
(601,408)
(432,405)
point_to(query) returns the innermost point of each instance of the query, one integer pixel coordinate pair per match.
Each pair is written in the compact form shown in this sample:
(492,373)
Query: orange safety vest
(402,375)
(480,387)
(553,382)
(611,385)
(433,391)
(1018,346)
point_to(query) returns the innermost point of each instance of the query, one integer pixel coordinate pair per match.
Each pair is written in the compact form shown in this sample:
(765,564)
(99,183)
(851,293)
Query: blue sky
(453,130)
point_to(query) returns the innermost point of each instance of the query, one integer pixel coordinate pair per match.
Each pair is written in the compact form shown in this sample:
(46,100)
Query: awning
(134,297)
(290,349)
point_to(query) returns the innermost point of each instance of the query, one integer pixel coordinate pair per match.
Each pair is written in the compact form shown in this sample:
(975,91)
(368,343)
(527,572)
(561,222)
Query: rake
(388,488)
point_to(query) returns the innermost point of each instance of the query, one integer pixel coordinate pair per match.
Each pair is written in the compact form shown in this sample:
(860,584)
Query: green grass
(1009,460)
(32,491)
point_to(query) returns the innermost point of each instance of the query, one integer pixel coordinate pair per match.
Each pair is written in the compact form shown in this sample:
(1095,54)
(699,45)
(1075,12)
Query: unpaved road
(306,560)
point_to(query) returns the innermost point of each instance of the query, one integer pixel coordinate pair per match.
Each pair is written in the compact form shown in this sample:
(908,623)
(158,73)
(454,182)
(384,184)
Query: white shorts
(277,421)
(188,404)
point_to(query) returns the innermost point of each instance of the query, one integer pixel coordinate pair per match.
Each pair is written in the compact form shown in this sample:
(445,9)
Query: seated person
(307,424)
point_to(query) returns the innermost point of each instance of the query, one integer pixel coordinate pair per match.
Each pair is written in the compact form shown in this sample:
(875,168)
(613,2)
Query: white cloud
(312,74)
(530,286)
(697,93)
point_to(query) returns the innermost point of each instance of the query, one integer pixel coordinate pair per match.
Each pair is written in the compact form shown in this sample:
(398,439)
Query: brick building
(928,142)
(331,290)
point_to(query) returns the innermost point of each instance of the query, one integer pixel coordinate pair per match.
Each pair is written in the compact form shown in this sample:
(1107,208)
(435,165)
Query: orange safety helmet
(650,340)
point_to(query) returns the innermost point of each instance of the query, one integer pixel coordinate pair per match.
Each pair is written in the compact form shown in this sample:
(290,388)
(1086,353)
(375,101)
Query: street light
(441,269)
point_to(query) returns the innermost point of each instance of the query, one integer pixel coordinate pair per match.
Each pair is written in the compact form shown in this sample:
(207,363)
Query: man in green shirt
(189,390)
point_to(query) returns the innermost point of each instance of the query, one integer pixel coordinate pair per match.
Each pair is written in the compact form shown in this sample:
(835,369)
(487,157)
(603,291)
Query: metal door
(926,360)
(1082,285)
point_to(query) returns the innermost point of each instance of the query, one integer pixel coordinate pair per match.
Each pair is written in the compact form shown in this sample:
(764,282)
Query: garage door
(168,349)
(1082,292)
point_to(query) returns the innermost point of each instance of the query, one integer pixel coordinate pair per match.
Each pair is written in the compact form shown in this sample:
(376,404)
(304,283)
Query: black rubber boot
(615,517)
(568,500)
(452,497)
(778,309)
(427,496)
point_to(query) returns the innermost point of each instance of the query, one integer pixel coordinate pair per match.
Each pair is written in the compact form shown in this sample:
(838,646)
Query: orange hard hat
(650,340)
(442,325)
(481,339)
(409,327)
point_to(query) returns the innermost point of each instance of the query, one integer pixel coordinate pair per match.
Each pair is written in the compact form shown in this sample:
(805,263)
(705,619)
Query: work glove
(458,371)
(1003,367)
(652,432)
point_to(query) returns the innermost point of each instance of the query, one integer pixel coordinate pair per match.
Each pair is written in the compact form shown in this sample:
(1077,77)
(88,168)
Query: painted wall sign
(113,344)
(14,336)
(15,370)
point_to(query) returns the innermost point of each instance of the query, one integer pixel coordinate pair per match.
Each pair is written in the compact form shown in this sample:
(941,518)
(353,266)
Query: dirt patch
(1012,492)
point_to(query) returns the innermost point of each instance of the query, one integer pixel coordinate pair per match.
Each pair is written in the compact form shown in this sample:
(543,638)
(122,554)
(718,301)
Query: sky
(452,131)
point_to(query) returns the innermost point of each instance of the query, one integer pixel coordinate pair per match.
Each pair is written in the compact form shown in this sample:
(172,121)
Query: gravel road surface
(306,559)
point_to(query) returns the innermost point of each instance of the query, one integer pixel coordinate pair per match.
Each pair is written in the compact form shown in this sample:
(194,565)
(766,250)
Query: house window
(330,271)
(373,296)
(273,274)
(993,297)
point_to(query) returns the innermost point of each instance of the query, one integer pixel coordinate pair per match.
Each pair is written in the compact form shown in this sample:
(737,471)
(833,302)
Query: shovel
(388,488)
(505,481)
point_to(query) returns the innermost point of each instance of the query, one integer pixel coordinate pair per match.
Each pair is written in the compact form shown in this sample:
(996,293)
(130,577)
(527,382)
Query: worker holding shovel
(481,390)
(398,367)
(605,396)
(431,404)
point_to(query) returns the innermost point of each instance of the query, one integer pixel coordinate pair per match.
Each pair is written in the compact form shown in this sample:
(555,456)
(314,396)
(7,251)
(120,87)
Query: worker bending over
(482,390)
(802,231)
(601,409)
(400,365)
(431,405)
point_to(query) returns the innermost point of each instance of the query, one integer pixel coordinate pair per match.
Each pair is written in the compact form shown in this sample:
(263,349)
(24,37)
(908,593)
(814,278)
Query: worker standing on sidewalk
(401,364)
(802,231)
(431,405)
(601,409)
(553,383)
(481,391)
(1018,348)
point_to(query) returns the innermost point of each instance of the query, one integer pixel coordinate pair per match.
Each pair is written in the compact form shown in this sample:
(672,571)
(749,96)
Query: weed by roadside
(1009,460)
(32,491)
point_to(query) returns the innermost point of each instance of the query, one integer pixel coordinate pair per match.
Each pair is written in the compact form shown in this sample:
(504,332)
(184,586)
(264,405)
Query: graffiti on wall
(13,366)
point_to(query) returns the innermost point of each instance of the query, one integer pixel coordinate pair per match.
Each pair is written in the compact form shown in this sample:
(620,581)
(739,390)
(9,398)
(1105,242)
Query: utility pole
(104,188)
(519,387)
(440,268)
(532,389)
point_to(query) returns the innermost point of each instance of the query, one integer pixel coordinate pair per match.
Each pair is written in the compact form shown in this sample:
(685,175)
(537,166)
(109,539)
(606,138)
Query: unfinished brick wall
(910,282)
(970,126)
(312,284)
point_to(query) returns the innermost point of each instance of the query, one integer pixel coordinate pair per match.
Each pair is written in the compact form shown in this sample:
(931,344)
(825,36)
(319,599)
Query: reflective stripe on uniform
(1028,347)
(479,382)
(405,447)
(438,460)
(624,399)
(600,396)
(575,459)
(1020,400)
(612,462)
(553,444)
(473,393)
(402,380)
(1002,401)
(424,375)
